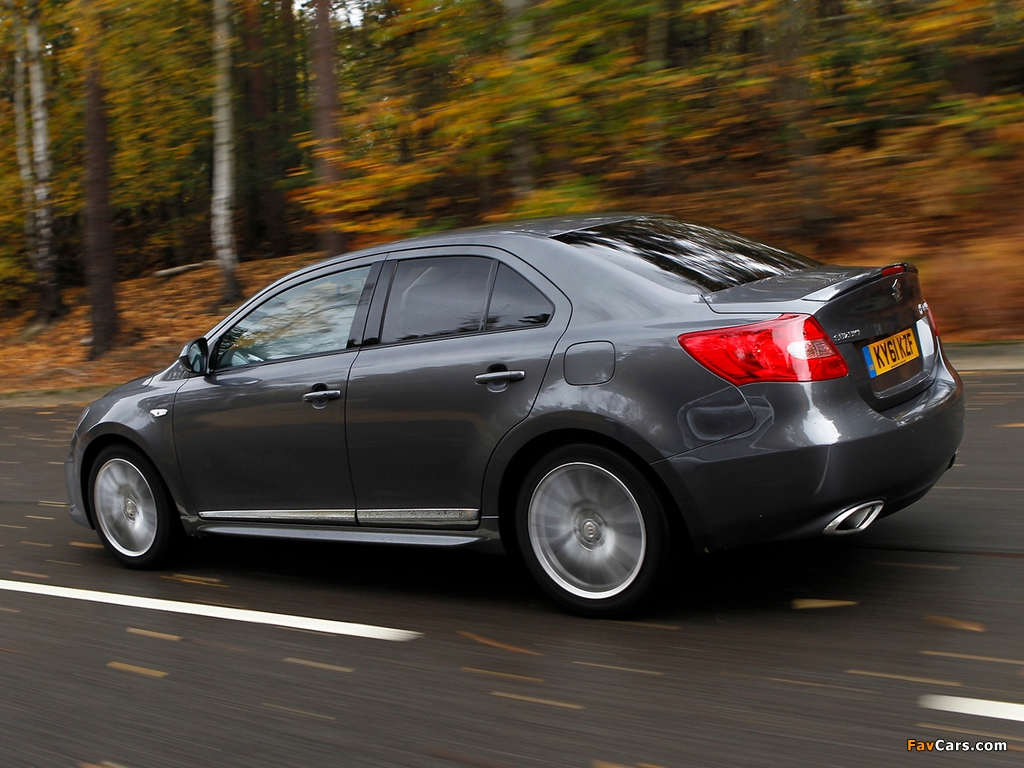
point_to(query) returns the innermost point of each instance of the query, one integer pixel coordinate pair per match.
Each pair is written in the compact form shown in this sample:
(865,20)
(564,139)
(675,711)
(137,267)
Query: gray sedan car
(584,392)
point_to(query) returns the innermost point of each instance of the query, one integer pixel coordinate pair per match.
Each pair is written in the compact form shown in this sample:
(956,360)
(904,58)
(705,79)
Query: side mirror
(196,356)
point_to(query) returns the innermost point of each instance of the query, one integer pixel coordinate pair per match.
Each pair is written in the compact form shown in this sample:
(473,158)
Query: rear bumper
(816,450)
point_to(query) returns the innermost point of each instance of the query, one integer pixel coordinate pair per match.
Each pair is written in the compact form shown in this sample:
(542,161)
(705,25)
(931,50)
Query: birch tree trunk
(325,107)
(44,260)
(221,209)
(21,134)
(99,241)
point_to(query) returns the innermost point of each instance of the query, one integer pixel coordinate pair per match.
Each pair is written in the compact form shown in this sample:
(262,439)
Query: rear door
(453,358)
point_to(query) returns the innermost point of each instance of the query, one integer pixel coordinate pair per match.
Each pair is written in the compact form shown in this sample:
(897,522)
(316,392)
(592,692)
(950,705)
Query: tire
(132,508)
(591,529)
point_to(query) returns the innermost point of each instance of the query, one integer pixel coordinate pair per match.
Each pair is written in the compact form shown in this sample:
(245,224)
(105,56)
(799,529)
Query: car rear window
(712,259)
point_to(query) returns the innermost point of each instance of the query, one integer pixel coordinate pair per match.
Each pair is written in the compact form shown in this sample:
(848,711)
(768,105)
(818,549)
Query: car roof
(483,234)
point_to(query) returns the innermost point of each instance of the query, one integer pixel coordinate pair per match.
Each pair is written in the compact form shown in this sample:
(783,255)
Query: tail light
(788,348)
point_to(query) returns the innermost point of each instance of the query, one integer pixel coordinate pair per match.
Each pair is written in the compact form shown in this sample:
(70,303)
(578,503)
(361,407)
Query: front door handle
(323,394)
(499,376)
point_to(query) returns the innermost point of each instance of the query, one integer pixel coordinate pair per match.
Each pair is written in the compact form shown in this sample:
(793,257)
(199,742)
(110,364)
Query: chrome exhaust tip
(854,519)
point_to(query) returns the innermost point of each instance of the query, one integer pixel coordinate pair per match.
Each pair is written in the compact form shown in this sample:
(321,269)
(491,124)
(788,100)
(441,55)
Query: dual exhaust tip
(854,519)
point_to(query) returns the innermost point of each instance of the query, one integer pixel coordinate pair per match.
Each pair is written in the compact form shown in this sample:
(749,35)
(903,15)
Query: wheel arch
(502,485)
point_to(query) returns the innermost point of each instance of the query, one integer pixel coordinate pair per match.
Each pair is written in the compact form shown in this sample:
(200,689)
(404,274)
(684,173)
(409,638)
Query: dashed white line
(972,657)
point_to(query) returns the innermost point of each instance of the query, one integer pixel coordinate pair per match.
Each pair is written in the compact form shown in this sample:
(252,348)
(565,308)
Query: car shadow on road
(752,579)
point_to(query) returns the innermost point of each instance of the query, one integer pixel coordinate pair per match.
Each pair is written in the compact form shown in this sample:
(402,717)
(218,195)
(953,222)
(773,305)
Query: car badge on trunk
(897,294)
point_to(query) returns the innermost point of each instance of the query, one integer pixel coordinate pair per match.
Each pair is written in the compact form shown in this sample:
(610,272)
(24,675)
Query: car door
(459,357)
(262,436)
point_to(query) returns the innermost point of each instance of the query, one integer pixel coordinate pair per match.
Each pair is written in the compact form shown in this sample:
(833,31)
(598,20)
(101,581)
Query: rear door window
(436,296)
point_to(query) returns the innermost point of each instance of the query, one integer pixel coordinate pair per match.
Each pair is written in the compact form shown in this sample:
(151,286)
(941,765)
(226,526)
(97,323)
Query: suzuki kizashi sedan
(593,394)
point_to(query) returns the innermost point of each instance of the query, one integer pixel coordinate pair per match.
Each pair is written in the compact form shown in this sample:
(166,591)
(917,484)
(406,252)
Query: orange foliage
(158,317)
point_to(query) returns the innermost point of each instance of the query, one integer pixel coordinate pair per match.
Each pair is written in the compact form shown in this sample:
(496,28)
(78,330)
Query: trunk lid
(876,316)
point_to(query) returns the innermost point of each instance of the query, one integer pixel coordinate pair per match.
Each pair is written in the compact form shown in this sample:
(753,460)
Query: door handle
(323,394)
(497,376)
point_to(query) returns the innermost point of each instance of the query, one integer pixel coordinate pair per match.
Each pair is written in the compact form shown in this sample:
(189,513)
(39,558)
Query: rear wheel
(591,529)
(132,508)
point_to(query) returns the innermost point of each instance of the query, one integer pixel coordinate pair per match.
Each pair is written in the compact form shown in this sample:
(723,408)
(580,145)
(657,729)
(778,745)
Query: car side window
(311,318)
(436,296)
(515,303)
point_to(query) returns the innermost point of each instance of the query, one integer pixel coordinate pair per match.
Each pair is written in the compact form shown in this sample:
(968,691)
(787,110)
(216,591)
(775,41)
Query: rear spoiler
(817,284)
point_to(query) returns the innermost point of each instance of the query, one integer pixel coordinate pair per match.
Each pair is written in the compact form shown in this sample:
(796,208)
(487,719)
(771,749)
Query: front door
(262,437)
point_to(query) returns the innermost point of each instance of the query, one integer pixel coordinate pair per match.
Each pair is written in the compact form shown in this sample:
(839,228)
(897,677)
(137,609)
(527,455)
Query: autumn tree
(222,212)
(21,140)
(330,239)
(98,241)
(268,119)
(793,116)
(41,253)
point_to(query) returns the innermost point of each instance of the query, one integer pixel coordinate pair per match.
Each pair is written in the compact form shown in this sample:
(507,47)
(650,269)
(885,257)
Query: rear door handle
(323,394)
(493,376)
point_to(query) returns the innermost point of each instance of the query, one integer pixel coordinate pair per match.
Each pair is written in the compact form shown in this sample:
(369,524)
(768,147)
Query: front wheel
(131,508)
(591,529)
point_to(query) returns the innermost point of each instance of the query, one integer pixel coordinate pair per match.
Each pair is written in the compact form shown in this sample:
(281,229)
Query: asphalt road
(822,654)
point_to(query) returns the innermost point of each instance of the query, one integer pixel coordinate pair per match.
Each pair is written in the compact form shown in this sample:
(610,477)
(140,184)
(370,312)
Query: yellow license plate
(892,352)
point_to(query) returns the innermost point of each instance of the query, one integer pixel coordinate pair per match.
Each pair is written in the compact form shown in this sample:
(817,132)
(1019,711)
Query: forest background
(856,131)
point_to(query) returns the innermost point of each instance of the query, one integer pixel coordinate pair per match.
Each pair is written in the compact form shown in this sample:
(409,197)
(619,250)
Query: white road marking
(1003,710)
(215,611)
(297,711)
(618,669)
(318,665)
(905,678)
(137,670)
(995,659)
(535,700)
(803,603)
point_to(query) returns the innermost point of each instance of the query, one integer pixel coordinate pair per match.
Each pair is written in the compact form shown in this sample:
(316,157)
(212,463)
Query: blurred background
(163,159)
(157,155)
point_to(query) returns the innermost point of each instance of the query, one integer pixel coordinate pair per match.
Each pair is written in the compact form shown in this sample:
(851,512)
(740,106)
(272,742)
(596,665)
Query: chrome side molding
(375,518)
(283,515)
(418,518)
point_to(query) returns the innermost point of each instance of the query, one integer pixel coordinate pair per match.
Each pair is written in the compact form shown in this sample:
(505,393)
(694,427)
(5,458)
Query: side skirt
(485,537)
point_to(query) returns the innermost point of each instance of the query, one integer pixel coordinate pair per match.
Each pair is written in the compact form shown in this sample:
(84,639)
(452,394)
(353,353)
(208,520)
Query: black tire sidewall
(166,531)
(655,525)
